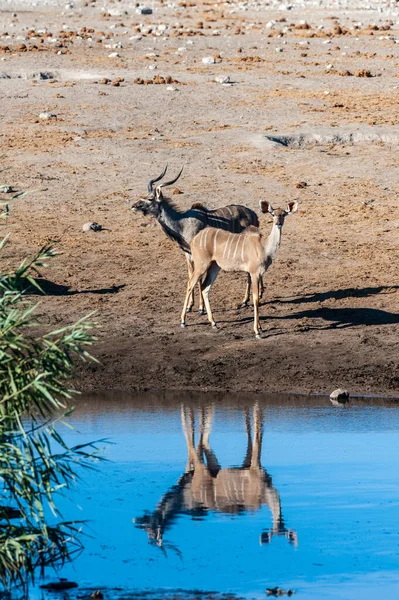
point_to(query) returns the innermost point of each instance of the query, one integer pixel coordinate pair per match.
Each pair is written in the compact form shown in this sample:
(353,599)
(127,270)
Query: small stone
(208,60)
(279,49)
(69,6)
(340,395)
(114,55)
(116,12)
(144,10)
(45,116)
(301,184)
(105,81)
(172,88)
(4,75)
(91,226)
(223,79)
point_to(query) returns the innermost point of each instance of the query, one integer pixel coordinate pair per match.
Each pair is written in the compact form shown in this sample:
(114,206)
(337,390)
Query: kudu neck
(273,243)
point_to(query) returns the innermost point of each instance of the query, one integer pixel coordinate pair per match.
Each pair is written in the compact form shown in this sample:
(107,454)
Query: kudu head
(151,204)
(278,214)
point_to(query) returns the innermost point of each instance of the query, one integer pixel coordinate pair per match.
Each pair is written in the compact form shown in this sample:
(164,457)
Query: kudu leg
(209,279)
(261,287)
(211,460)
(194,279)
(245,301)
(188,429)
(258,437)
(255,295)
(190,269)
(248,456)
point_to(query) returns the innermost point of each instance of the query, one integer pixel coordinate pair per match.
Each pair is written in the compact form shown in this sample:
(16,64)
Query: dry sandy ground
(331,309)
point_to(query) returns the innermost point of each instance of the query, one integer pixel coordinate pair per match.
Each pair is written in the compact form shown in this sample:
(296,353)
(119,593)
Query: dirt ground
(331,310)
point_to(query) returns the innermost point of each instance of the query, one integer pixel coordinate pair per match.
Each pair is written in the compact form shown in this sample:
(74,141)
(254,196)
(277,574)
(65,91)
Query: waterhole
(206,496)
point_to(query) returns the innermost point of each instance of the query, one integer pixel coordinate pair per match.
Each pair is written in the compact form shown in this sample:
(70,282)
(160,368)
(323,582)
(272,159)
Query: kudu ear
(265,206)
(292,207)
(158,193)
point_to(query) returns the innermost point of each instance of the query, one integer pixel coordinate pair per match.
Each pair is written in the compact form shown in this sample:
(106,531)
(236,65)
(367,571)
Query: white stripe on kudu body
(214,251)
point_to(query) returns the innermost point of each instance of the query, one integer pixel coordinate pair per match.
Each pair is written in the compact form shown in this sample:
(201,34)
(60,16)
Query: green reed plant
(36,464)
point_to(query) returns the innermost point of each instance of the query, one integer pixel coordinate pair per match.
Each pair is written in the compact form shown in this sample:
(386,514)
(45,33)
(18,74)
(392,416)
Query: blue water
(334,471)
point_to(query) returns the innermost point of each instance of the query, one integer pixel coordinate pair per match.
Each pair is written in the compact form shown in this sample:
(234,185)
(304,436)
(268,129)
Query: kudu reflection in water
(206,486)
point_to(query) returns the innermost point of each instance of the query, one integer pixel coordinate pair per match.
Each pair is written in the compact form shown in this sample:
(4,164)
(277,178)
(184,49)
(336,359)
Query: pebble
(172,88)
(69,6)
(279,49)
(340,394)
(91,226)
(144,10)
(114,55)
(208,60)
(45,116)
(224,79)
(117,12)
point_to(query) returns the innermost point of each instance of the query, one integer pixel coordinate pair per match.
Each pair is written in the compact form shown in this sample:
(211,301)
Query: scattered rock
(116,82)
(301,184)
(172,88)
(105,81)
(69,6)
(208,60)
(6,189)
(114,55)
(340,395)
(43,75)
(223,79)
(144,10)
(116,12)
(4,75)
(363,73)
(91,226)
(46,116)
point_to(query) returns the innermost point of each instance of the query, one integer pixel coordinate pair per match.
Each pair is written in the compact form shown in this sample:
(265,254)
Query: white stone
(45,116)
(279,49)
(117,12)
(114,55)
(172,88)
(223,79)
(208,60)
(69,6)
(340,394)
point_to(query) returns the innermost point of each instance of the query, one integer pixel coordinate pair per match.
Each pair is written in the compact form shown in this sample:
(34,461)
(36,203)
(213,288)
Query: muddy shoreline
(327,75)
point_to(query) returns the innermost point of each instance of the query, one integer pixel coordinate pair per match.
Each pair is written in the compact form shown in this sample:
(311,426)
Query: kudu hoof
(189,309)
(243,305)
(182,325)
(258,336)
(201,311)
(214,326)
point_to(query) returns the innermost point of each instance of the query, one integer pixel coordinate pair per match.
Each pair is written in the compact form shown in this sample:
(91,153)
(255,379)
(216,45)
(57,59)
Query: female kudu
(213,249)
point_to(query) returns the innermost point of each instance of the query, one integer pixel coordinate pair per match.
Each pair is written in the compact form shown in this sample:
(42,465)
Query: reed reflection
(205,486)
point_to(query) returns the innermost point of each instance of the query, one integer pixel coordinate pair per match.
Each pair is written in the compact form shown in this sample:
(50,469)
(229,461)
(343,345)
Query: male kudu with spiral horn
(183,226)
